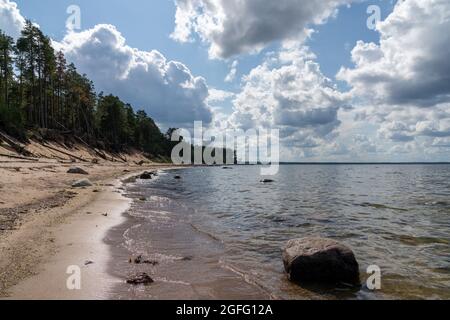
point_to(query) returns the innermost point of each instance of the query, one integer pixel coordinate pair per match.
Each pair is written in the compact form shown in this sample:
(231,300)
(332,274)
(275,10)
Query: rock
(177,177)
(267,181)
(95,161)
(140,163)
(317,260)
(186,259)
(82,183)
(227,168)
(105,214)
(140,260)
(146,176)
(77,170)
(88,262)
(142,278)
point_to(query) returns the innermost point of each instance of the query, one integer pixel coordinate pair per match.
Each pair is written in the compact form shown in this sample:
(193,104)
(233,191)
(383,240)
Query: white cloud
(289,92)
(233,71)
(233,27)
(167,90)
(403,83)
(411,65)
(216,95)
(11,21)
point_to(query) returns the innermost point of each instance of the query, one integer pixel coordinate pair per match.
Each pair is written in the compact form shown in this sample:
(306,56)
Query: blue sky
(342,92)
(147,25)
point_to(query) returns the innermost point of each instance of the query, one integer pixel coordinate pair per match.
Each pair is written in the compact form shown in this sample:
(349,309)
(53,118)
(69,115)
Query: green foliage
(39,90)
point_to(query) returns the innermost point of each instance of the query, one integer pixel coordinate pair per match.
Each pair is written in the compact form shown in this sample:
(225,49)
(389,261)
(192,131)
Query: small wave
(248,278)
(165,280)
(210,235)
(380,206)
(417,241)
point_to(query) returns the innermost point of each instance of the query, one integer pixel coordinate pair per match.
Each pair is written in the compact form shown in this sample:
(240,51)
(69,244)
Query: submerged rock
(146,176)
(77,170)
(318,260)
(82,183)
(142,278)
(141,260)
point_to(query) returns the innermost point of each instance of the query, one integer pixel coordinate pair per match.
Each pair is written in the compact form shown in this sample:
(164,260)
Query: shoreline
(36,255)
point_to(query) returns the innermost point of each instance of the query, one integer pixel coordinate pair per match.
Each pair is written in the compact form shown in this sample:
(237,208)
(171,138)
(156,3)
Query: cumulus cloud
(233,27)
(217,95)
(410,66)
(403,83)
(289,92)
(11,21)
(167,90)
(233,71)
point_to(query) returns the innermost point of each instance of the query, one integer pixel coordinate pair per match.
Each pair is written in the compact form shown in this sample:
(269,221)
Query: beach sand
(47,226)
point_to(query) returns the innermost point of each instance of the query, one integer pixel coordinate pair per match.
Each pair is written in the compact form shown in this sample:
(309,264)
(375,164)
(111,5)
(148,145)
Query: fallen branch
(18,157)
(65,153)
(16,146)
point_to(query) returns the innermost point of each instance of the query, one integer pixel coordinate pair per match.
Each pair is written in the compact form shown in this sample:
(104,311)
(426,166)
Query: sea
(218,233)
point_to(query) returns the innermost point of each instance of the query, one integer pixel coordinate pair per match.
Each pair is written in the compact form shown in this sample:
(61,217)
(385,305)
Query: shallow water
(218,233)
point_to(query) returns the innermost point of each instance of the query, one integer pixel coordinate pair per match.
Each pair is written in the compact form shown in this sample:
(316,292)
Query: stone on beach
(77,170)
(142,278)
(318,260)
(82,183)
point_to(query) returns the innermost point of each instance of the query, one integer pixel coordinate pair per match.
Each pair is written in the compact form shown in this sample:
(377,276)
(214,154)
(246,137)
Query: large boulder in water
(318,260)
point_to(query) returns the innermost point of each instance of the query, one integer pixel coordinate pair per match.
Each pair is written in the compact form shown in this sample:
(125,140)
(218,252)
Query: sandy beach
(47,226)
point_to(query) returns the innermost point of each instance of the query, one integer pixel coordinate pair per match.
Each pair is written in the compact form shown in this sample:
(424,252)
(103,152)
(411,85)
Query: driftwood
(16,146)
(97,152)
(65,153)
(18,157)
(121,158)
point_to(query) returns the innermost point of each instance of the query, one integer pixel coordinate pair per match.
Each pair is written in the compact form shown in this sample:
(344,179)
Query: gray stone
(146,176)
(318,260)
(142,278)
(82,183)
(77,170)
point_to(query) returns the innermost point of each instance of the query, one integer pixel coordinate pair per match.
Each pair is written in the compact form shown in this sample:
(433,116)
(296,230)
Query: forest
(40,90)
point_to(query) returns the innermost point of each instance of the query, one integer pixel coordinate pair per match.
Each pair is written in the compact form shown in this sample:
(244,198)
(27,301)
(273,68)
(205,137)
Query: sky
(338,84)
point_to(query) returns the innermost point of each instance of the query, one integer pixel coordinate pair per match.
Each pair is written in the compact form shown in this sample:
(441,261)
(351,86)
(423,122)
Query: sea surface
(218,234)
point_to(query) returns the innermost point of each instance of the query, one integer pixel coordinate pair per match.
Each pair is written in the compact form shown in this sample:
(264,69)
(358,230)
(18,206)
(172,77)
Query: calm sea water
(218,233)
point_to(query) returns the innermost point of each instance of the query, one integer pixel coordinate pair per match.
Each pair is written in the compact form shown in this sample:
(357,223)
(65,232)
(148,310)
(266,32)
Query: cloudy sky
(336,89)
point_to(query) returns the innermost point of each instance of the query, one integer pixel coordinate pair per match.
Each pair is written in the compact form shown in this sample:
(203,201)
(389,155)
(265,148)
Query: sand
(47,226)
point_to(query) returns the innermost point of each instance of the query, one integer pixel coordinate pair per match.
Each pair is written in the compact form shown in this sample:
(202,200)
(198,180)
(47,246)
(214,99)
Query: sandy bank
(46,226)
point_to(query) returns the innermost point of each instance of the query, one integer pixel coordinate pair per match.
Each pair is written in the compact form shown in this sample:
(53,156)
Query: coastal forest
(41,91)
